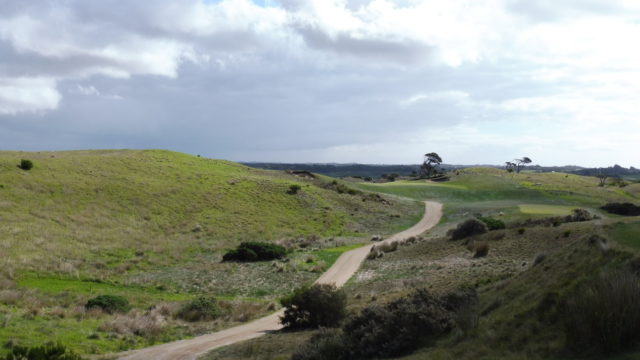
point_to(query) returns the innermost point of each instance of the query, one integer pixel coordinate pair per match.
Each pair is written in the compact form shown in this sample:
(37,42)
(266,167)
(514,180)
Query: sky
(368,81)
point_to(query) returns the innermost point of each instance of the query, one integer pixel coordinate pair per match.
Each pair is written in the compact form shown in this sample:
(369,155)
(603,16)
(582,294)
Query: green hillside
(152,226)
(533,269)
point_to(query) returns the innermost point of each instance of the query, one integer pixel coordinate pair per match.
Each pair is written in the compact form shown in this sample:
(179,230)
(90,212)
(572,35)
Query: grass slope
(521,282)
(152,226)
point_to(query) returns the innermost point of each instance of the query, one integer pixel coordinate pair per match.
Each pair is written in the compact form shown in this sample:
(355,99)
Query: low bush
(468,228)
(392,330)
(293,189)
(26,164)
(604,315)
(199,309)
(48,351)
(493,224)
(321,305)
(108,303)
(255,251)
(625,209)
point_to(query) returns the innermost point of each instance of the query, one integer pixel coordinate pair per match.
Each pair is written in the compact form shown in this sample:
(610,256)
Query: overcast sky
(378,81)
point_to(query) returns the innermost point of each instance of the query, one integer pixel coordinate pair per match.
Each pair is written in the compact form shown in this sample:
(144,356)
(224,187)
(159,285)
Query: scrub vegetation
(553,256)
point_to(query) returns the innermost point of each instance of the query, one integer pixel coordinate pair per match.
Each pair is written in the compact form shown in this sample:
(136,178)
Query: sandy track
(338,274)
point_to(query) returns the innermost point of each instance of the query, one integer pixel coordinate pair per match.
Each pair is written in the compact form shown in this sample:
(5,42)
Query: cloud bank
(325,80)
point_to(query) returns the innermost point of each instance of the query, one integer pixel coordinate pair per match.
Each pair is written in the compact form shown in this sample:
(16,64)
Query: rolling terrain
(152,226)
(534,267)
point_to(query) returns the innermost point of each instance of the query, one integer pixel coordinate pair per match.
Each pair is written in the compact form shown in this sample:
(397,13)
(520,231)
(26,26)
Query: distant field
(546,209)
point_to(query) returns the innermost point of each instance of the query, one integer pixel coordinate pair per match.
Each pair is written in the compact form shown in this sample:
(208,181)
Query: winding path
(338,274)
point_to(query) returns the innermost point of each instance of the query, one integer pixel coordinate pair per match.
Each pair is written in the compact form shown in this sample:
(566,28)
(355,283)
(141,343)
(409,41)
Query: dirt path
(338,274)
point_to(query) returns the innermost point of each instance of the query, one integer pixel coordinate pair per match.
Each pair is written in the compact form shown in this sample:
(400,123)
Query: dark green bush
(493,224)
(293,189)
(255,251)
(394,329)
(48,351)
(397,328)
(604,315)
(625,209)
(468,228)
(109,303)
(199,309)
(26,164)
(321,305)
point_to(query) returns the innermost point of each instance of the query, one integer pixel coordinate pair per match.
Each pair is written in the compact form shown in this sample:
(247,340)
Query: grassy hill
(152,226)
(533,269)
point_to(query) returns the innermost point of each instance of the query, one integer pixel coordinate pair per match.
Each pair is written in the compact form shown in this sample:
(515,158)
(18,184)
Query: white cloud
(27,94)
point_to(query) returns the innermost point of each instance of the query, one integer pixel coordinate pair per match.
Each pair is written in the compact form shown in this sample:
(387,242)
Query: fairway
(627,234)
(540,209)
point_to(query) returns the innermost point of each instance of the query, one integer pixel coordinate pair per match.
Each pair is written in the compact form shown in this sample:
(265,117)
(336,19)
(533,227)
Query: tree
(602,176)
(429,165)
(521,162)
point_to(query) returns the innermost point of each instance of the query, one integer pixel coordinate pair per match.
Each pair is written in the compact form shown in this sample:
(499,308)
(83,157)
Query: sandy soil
(338,274)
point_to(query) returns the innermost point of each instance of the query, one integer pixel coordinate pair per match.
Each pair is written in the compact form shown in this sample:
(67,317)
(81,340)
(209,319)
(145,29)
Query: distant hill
(378,170)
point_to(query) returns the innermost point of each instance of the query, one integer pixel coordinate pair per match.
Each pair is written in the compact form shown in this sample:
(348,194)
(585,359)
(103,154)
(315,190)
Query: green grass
(152,225)
(545,209)
(627,234)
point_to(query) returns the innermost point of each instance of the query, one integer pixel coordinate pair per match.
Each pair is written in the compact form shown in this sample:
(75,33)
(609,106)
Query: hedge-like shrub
(199,309)
(468,228)
(255,251)
(108,303)
(625,209)
(321,305)
(48,351)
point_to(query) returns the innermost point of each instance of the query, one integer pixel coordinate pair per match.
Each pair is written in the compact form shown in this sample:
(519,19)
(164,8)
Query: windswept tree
(509,166)
(429,165)
(520,163)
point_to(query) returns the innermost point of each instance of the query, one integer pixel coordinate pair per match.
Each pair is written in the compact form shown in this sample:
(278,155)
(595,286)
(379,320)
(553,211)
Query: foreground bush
(605,315)
(392,330)
(493,224)
(255,251)
(48,351)
(321,305)
(26,164)
(108,303)
(625,209)
(200,309)
(468,228)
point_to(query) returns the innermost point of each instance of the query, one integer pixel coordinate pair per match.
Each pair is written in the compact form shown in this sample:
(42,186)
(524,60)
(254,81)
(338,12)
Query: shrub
(521,231)
(255,251)
(293,189)
(605,314)
(493,224)
(578,215)
(200,308)
(482,249)
(468,228)
(393,329)
(109,303)
(26,164)
(321,305)
(48,351)
(625,209)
